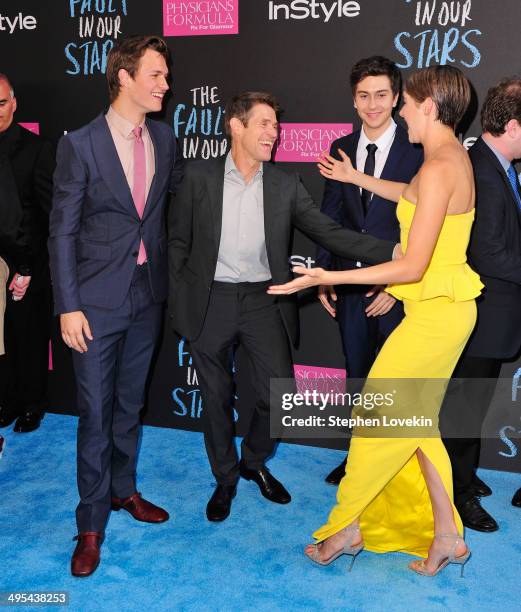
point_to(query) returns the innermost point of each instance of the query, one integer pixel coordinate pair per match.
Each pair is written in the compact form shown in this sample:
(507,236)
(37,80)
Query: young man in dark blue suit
(367,315)
(108,261)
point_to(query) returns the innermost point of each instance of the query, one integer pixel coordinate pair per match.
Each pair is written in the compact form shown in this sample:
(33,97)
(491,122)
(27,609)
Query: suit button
(135,253)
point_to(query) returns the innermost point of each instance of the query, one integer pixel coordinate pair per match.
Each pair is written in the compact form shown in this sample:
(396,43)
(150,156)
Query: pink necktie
(140,177)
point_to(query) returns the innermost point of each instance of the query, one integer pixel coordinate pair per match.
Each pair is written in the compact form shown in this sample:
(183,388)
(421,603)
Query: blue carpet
(252,561)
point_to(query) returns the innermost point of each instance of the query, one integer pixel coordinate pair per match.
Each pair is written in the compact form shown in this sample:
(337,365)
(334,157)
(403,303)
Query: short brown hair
(127,55)
(241,104)
(376,65)
(447,86)
(503,103)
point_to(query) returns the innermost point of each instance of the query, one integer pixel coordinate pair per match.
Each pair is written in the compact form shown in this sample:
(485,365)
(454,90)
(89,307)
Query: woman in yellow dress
(397,492)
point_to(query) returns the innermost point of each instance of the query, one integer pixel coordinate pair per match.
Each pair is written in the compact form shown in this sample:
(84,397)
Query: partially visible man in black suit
(230,232)
(495,253)
(26,167)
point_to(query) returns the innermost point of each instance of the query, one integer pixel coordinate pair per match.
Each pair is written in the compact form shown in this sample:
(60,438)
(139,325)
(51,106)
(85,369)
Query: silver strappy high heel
(419,566)
(347,550)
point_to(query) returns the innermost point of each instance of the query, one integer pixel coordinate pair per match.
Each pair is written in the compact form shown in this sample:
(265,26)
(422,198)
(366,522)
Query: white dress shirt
(384,143)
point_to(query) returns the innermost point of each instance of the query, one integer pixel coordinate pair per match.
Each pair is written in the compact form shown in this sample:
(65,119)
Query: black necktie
(368,169)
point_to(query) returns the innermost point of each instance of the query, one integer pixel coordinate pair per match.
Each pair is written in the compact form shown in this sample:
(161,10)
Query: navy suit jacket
(95,229)
(342,201)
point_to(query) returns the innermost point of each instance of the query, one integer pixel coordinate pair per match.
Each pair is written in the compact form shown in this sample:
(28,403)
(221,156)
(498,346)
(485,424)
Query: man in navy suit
(109,268)
(495,253)
(367,315)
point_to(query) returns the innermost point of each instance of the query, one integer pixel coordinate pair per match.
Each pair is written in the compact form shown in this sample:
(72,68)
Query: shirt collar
(122,125)
(381,142)
(229,166)
(501,158)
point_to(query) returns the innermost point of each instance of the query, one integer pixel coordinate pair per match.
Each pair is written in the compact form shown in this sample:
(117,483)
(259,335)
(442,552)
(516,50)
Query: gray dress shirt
(242,250)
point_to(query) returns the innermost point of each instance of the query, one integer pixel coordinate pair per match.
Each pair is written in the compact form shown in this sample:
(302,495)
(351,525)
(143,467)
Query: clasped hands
(19,286)
(380,305)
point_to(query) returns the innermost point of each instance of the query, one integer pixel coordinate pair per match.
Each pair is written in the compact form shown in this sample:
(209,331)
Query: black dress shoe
(29,421)
(480,488)
(6,417)
(474,516)
(337,474)
(269,486)
(516,500)
(218,508)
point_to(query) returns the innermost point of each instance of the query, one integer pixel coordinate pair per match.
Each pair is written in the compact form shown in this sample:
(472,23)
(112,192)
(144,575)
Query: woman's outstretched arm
(433,200)
(344,172)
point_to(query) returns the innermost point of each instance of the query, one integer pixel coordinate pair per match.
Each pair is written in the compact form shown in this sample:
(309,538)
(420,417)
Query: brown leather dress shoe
(140,509)
(86,556)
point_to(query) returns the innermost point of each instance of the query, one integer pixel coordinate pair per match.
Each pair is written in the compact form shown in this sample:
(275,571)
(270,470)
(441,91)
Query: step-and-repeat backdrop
(55,53)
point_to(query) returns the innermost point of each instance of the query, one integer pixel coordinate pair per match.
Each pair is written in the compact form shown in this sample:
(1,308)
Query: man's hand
(326,295)
(382,303)
(74,326)
(19,286)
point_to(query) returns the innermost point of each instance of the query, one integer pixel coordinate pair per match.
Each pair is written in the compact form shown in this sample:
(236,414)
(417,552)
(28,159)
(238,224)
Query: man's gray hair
(4,77)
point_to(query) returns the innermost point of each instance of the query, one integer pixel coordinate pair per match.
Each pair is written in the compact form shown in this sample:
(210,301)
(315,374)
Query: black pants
(24,367)
(244,314)
(464,410)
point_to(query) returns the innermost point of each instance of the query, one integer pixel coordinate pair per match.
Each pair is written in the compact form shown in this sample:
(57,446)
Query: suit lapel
(270,192)
(504,177)
(354,191)
(396,153)
(108,163)
(215,188)
(162,164)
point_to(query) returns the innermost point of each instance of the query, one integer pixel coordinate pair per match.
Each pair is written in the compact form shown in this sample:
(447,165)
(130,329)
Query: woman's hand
(310,277)
(332,168)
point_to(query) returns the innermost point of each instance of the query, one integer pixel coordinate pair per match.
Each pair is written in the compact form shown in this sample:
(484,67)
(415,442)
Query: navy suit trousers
(362,336)
(111,378)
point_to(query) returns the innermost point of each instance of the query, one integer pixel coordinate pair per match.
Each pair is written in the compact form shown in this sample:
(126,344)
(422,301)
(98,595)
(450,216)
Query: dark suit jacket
(495,253)
(342,201)
(195,231)
(95,229)
(26,167)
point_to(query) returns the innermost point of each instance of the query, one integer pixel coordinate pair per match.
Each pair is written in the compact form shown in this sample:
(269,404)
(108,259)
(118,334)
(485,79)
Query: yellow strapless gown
(384,484)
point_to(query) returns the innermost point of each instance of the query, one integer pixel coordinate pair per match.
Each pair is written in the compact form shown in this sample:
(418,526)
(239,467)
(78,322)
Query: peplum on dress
(384,484)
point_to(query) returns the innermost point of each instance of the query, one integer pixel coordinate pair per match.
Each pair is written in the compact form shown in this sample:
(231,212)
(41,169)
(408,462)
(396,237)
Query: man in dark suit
(108,261)
(26,167)
(367,315)
(495,253)
(230,233)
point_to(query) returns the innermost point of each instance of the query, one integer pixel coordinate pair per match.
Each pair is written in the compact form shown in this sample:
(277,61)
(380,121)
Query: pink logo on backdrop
(32,127)
(325,380)
(200,17)
(303,142)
